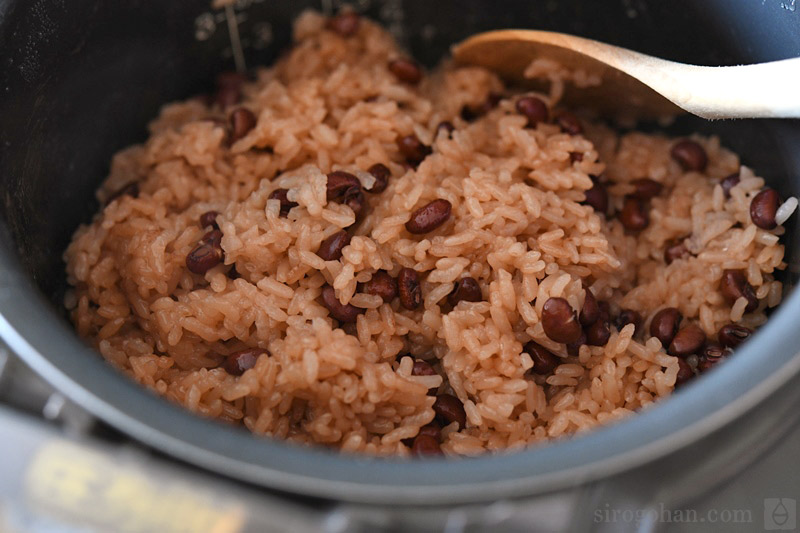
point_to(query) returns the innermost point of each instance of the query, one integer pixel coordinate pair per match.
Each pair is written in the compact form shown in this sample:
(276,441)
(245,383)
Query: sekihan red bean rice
(250,340)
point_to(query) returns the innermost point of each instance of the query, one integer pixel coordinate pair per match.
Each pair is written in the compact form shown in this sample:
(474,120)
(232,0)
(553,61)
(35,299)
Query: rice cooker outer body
(79,80)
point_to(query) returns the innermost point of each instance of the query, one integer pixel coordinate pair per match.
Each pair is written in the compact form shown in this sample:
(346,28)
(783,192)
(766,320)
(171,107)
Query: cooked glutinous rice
(249,335)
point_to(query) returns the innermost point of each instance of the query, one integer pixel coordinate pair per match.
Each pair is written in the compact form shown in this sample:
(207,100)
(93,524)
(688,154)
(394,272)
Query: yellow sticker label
(86,486)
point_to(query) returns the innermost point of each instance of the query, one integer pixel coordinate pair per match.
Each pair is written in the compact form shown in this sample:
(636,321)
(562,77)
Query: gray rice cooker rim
(34,331)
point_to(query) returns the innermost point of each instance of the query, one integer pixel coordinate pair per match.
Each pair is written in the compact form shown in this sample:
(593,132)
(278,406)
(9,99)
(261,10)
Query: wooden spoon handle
(764,90)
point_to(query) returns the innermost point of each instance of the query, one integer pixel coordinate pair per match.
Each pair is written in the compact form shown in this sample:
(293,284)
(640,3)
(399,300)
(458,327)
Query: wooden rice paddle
(640,85)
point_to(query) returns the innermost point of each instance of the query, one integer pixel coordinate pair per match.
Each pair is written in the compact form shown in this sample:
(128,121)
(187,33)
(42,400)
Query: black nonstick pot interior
(79,80)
